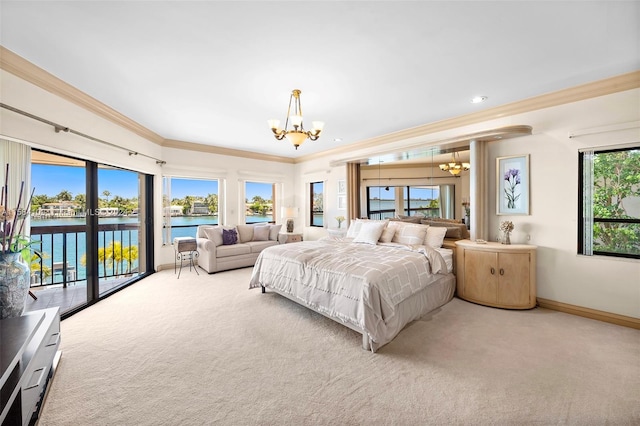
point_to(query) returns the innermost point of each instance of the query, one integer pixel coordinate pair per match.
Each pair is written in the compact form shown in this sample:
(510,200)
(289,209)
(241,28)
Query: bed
(374,289)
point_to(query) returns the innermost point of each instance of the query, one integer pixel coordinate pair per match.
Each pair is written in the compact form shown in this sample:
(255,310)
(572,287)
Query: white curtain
(17,157)
(587,202)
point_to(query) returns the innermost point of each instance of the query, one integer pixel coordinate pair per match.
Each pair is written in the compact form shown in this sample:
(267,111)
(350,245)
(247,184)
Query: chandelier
(454,167)
(297,135)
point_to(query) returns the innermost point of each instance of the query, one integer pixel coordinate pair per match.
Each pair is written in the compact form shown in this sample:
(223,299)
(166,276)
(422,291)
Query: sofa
(221,248)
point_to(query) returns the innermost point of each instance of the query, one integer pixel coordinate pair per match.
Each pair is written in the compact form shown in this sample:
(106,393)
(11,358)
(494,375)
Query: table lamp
(290,213)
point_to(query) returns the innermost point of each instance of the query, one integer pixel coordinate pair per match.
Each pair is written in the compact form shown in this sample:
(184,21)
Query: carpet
(207,350)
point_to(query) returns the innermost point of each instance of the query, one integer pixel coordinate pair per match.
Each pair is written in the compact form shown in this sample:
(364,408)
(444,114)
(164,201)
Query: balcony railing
(63,253)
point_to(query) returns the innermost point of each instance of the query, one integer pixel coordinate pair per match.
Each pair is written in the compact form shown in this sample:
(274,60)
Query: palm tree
(38,268)
(114,255)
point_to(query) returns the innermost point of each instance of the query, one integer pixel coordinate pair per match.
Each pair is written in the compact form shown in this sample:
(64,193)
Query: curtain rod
(60,128)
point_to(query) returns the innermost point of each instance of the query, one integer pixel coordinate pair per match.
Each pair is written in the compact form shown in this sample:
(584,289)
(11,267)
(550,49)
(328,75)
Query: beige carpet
(206,350)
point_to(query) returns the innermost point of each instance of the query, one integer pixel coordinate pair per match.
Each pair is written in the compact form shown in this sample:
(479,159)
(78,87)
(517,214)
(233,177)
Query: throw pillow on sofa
(261,233)
(229,237)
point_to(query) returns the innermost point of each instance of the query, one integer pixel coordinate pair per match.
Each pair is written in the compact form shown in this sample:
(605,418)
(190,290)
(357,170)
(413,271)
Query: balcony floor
(75,294)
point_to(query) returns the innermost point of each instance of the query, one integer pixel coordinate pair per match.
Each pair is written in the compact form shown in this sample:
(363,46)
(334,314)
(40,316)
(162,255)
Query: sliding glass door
(94,224)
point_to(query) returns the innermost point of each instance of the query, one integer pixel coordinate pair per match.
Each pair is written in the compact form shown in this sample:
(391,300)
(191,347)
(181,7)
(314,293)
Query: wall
(596,282)
(234,170)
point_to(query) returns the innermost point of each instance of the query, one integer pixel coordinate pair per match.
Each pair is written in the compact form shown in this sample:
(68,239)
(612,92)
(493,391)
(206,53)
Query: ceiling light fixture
(455,167)
(478,99)
(298,135)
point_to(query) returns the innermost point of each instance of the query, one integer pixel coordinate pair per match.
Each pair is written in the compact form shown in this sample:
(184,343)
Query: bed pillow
(388,232)
(214,234)
(370,232)
(274,230)
(435,236)
(229,237)
(410,234)
(354,227)
(261,233)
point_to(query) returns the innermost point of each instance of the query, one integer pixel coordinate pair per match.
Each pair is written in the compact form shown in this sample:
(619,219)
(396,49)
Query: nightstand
(337,232)
(289,237)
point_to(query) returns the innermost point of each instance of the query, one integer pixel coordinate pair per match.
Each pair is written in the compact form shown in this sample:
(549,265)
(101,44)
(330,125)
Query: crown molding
(594,89)
(27,71)
(191,146)
(20,67)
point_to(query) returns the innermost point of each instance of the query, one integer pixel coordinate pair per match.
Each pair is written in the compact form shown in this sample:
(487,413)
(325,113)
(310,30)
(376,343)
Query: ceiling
(214,72)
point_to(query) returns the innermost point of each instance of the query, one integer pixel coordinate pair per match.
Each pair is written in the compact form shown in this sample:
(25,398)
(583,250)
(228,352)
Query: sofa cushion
(258,246)
(232,250)
(261,233)
(245,233)
(274,230)
(214,233)
(229,237)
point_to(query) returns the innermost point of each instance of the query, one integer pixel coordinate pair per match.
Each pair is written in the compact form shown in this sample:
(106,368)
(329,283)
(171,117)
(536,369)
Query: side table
(289,237)
(186,249)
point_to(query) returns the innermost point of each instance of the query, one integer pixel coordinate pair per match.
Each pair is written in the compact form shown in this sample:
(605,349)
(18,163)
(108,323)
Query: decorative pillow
(261,233)
(388,232)
(214,234)
(229,237)
(435,236)
(410,234)
(274,230)
(245,233)
(370,232)
(354,227)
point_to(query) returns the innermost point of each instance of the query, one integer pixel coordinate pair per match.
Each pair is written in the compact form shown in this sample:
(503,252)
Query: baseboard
(590,313)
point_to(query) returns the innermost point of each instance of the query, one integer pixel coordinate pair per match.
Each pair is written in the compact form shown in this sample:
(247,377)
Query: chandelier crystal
(297,135)
(455,167)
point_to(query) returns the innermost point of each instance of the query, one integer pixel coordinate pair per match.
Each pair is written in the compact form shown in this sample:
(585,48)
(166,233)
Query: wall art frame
(512,185)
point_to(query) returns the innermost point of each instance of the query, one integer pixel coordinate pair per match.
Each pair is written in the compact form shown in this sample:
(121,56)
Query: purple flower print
(512,178)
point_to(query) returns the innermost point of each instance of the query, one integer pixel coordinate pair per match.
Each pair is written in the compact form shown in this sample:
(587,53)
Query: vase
(14,284)
(506,237)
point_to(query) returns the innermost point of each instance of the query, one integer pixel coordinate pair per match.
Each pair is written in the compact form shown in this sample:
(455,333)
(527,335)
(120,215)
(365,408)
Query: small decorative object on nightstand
(289,237)
(186,249)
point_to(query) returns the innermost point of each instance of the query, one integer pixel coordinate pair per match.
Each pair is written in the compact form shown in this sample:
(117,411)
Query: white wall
(234,170)
(602,283)
(596,282)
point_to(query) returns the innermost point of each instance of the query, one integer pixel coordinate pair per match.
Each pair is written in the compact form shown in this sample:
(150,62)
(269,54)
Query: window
(317,204)
(187,203)
(259,198)
(415,200)
(609,211)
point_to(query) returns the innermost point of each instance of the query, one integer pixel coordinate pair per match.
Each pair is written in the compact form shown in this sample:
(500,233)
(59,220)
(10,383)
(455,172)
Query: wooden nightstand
(289,237)
(495,274)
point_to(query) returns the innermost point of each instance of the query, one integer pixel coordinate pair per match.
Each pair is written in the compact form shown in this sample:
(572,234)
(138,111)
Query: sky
(51,180)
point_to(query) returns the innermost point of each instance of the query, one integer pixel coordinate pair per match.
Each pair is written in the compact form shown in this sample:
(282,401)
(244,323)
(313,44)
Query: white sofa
(215,256)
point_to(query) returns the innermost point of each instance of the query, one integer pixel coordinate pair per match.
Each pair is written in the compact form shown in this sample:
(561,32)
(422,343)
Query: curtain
(353,191)
(16,158)
(587,202)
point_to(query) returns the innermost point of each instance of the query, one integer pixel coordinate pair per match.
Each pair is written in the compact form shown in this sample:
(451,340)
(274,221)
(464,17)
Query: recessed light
(337,139)
(478,99)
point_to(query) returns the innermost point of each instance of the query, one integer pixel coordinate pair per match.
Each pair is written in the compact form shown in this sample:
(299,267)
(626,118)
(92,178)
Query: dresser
(495,274)
(28,355)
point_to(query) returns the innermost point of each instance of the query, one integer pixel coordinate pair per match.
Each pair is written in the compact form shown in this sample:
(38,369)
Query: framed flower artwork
(512,185)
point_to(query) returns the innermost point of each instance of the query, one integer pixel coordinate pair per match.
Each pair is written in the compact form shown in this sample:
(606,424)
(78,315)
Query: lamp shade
(289,212)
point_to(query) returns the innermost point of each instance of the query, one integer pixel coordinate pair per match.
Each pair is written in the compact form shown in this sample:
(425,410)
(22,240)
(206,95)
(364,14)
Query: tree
(106,194)
(616,178)
(64,195)
(212,202)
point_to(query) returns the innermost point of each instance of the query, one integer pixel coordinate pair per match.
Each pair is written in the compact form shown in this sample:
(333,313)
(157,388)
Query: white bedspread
(360,284)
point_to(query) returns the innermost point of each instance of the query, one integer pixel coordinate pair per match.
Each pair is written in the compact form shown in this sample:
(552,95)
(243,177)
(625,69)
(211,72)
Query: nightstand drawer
(286,237)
